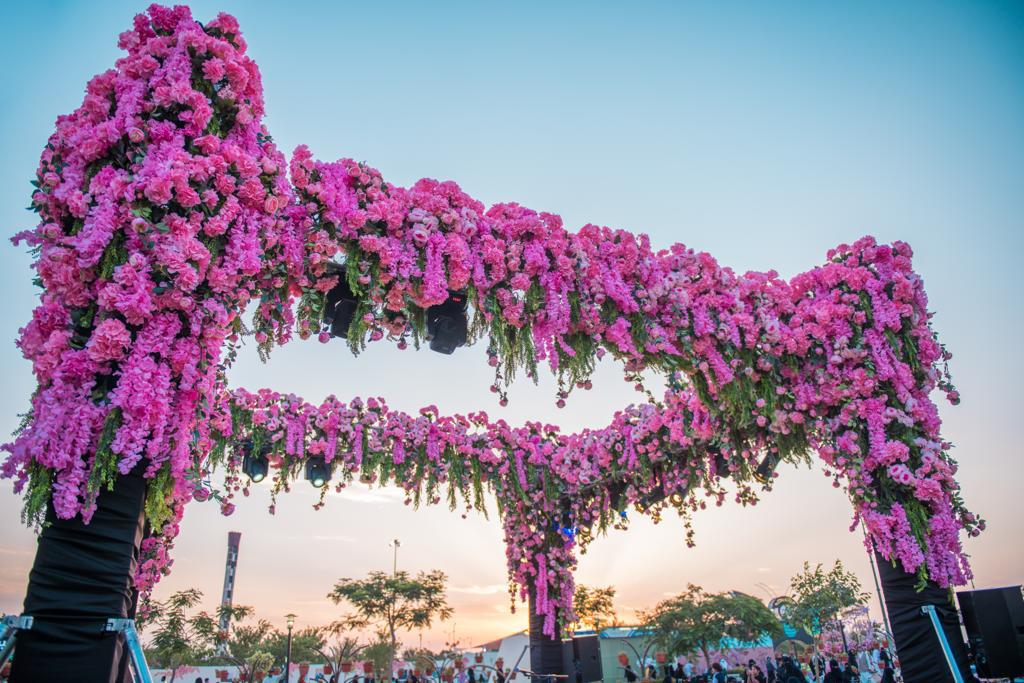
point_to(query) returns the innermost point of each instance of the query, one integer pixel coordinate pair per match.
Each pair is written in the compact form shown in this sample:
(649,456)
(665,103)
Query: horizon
(762,137)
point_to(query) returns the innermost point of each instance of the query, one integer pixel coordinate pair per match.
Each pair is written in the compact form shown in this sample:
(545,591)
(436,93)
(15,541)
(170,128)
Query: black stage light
(339,305)
(615,490)
(645,502)
(763,473)
(255,465)
(318,472)
(447,325)
(722,466)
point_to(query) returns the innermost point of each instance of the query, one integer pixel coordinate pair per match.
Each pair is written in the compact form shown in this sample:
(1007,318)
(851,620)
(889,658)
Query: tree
(422,658)
(818,597)
(393,602)
(594,606)
(381,654)
(246,647)
(178,638)
(343,648)
(695,620)
(307,644)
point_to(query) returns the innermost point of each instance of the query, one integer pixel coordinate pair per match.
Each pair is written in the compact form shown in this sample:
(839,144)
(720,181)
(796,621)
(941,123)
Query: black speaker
(581,659)
(994,620)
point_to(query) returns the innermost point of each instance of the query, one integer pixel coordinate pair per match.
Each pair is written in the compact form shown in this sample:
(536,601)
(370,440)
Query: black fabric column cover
(917,646)
(545,652)
(83,575)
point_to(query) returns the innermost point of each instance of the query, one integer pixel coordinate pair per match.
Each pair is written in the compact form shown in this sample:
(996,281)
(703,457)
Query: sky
(764,134)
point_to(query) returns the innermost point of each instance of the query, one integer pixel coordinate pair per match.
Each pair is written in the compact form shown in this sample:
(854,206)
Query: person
(687,670)
(754,674)
(835,674)
(887,673)
(769,669)
(867,666)
(500,676)
(470,676)
(629,673)
(718,672)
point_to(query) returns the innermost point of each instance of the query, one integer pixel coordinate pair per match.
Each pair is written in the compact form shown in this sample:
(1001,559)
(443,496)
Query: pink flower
(110,340)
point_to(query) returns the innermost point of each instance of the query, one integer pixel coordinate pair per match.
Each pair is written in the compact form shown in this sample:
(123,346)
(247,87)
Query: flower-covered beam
(165,211)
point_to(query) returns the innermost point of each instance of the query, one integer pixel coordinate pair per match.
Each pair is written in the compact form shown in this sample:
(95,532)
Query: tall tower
(230,566)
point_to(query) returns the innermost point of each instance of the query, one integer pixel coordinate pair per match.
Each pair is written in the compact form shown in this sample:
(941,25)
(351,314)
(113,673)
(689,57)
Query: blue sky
(764,134)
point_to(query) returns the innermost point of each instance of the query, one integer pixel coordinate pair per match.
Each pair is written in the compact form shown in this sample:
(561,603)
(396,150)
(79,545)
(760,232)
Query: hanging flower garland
(164,212)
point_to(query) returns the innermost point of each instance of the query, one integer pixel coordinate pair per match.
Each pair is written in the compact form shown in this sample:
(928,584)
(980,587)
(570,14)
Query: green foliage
(594,607)
(697,621)
(393,602)
(818,596)
(379,652)
(179,638)
(307,645)
(343,649)
(37,494)
(245,646)
(104,466)
(261,661)
(159,493)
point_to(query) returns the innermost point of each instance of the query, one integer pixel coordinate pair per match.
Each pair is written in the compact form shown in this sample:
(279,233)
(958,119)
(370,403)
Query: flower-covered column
(160,219)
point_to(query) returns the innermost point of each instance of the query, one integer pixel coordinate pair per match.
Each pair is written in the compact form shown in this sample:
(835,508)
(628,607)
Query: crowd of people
(866,667)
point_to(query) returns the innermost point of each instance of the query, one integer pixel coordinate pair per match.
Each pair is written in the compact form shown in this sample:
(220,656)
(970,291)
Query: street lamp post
(288,648)
(396,544)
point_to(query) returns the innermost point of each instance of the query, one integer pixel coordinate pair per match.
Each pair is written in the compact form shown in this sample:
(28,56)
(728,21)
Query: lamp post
(288,649)
(396,544)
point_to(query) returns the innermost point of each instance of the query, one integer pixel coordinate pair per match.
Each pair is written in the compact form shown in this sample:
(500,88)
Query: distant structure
(230,567)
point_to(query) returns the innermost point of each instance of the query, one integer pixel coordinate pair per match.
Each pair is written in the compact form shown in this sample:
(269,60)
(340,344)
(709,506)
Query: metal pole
(515,667)
(288,656)
(394,567)
(126,627)
(948,653)
(878,585)
(846,646)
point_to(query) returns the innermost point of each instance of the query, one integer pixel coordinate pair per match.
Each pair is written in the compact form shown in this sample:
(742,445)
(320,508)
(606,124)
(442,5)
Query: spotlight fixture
(615,490)
(339,305)
(255,465)
(764,471)
(447,325)
(650,499)
(722,466)
(318,472)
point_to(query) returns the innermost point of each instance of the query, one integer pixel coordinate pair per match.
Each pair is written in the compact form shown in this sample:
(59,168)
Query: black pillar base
(917,645)
(545,651)
(83,575)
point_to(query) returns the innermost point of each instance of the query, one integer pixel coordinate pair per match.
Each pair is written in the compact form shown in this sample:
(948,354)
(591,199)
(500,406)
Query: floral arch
(166,210)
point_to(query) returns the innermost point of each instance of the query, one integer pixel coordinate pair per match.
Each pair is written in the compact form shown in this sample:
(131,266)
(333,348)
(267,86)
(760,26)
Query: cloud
(338,538)
(490,589)
(383,495)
